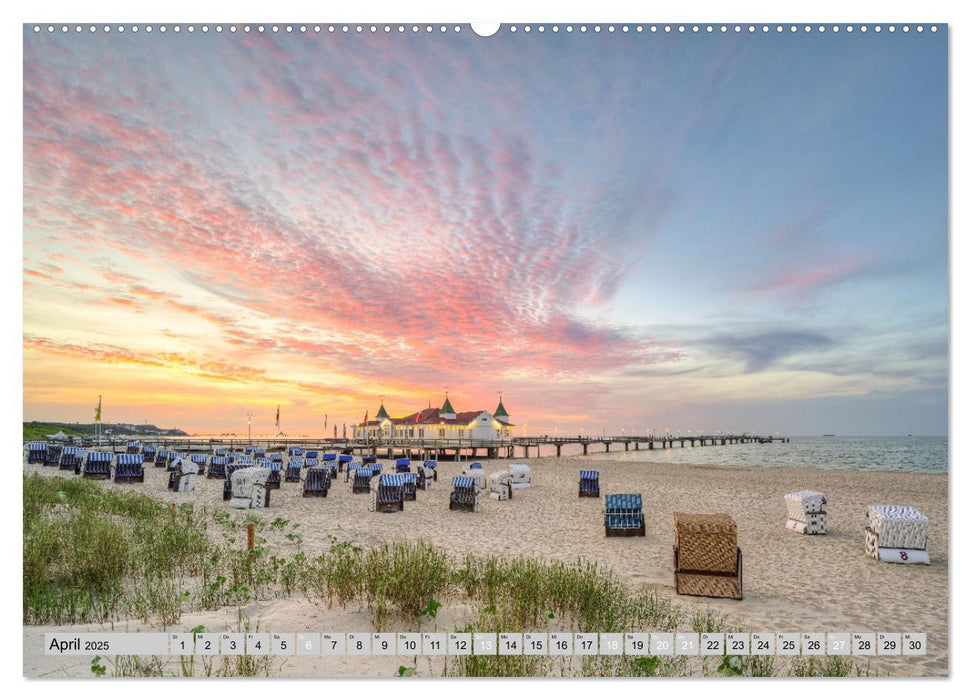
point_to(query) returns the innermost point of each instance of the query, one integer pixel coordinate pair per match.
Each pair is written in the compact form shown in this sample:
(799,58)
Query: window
(441,432)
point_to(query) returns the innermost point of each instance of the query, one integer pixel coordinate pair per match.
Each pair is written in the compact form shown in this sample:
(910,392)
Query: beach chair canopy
(706,542)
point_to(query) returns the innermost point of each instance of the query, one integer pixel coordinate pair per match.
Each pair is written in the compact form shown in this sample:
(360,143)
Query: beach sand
(792,583)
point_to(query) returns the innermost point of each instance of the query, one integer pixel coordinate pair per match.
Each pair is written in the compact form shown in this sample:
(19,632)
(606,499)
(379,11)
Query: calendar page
(528,349)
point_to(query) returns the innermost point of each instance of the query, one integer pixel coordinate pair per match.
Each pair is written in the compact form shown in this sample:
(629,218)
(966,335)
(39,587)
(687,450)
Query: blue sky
(706,232)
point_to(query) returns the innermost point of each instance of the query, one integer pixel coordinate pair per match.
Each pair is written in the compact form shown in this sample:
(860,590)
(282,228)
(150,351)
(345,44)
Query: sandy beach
(793,583)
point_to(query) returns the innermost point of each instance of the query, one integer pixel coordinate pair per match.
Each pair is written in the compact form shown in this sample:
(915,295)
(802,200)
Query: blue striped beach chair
(228,480)
(221,452)
(162,458)
(148,452)
(427,473)
(464,494)
(310,462)
(316,482)
(362,479)
(293,470)
(402,465)
(589,484)
(475,465)
(217,467)
(129,468)
(329,456)
(259,452)
(201,460)
(295,452)
(248,451)
(134,447)
(36,452)
(352,468)
(276,471)
(410,481)
(331,466)
(175,457)
(97,465)
(71,457)
(390,494)
(370,459)
(311,454)
(343,461)
(623,515)
(52,455)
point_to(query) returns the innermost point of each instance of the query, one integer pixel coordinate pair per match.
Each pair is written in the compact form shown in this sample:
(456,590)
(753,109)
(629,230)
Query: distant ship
(829,434)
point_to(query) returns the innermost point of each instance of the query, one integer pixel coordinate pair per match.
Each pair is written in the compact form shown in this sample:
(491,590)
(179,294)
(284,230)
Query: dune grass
(94,554)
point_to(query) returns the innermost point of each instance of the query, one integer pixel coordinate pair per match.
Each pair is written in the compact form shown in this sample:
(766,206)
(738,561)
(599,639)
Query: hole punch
(485,29)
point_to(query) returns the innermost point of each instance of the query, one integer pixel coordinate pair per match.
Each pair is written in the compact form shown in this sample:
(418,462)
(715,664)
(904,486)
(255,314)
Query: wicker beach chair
(292,475)
(71,457)
(217,467)
(427,474)
(310,454)
(387,493)
(182,478)
(134,447)
(148,453)
(805,512)
(331,466)
(521,476)
(465,495)
(329,457)
(129,468)
(897,534)
(52,455)
(200,459)
(343,461)
(707,559)
(369,459)
(250,488)
(97,465)
(361,479)
(402,466)
(589,484)
(623,515)
(310,462)
(162,459)
(276,472)
(500,485)
(475,465)
(316,482)
(259,452)
(294,452)
(36,452)
(410,481)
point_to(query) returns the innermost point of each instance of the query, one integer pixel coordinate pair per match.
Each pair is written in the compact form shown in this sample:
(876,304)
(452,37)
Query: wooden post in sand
(250,537)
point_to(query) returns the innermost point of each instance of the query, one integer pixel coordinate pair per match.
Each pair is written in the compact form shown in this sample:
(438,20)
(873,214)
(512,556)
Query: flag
(277,417)
(97,411)
(418,417)
(365,418)
(325,421)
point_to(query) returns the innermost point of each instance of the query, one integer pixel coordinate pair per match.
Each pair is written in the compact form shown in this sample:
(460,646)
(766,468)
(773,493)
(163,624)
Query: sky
(619,232)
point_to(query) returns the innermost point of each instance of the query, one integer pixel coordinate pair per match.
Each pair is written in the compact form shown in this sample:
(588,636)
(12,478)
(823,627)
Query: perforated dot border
(436,29)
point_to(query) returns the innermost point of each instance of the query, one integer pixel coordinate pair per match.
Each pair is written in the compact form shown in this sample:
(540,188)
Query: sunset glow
(618,233)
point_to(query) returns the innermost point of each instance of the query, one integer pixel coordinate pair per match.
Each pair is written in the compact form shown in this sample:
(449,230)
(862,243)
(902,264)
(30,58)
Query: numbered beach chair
(361,479)
(623,515)
(427,474)
(292,475)
(134,447)
(217,467)
(71,457)
(897,534)
(707,559)
(410,481)
(500,485)
(182,478)
(805,512)
(316,482)
(402,466)
(465,495)
(589,484)
(129,468)
(36,452)
(52,455)
(387,493)
(521,476)
(97,465)
(250,488)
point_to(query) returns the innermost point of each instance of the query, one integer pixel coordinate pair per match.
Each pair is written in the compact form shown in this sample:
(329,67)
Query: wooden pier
(454,449)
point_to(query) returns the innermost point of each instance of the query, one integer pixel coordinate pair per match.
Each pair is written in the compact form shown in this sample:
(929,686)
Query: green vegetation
(94,554)
(39,430)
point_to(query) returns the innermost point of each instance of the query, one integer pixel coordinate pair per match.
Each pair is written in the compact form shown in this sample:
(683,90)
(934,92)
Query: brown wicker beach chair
(707,560)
